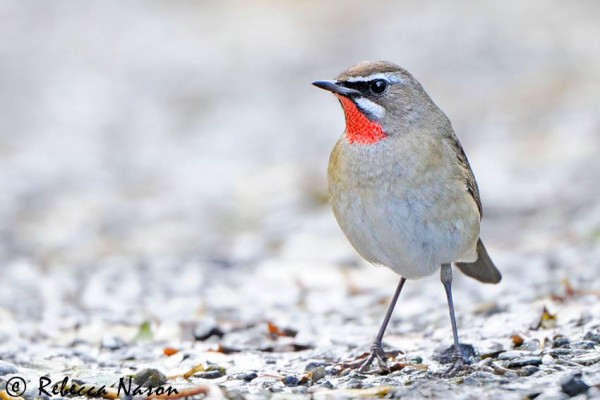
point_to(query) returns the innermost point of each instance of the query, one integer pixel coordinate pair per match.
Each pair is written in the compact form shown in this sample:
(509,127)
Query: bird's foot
(458,364)
(378,354)
(364,361)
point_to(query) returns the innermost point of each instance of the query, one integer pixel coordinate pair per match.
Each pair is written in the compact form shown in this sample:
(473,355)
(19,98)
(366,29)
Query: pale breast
(403,209)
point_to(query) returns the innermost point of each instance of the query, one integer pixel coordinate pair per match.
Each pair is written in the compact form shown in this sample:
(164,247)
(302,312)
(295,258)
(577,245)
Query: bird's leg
(458,359)
(376,348)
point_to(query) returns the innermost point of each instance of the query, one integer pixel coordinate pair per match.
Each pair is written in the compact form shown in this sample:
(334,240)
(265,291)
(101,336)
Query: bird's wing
(472,187)
(483,269)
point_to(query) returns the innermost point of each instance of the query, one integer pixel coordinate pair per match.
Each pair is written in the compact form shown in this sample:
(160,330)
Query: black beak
(335,87)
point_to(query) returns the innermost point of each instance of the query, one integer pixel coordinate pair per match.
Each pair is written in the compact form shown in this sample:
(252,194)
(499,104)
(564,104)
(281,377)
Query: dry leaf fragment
(546,321)
(194,370)
(169,351)
(274,330)
(517,340)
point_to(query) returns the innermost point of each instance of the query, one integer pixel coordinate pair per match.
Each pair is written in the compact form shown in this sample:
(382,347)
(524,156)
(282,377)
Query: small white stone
(547,359)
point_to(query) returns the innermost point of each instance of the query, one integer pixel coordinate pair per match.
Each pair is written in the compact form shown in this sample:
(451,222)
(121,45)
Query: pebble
(150,377)
(592,336)
(7,368)
(318,373)
(583,344)
(213,374)
(587,359)
(326,385)
(560,352)
(530,345)
(524,361)
(528,370)
(512,354)
(290,381)
(561,343)
(314,364)
(574,386)
(249,377)
(416,360)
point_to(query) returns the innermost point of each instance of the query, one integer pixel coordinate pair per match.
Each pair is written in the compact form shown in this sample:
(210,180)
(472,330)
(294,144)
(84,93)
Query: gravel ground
(163,212)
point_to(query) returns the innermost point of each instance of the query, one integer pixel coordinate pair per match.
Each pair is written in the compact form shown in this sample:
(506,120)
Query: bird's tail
(483,269)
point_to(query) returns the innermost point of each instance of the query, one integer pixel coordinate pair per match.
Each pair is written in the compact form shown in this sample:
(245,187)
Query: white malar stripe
(386,77)
(371,108)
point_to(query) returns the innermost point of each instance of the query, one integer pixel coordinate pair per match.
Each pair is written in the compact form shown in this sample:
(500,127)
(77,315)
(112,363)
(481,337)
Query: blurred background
(168,160)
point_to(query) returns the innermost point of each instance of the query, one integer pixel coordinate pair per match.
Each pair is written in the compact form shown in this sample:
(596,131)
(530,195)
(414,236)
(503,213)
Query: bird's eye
(378,86)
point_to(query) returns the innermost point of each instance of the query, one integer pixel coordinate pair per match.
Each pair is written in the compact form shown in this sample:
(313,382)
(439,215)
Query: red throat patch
(360,129)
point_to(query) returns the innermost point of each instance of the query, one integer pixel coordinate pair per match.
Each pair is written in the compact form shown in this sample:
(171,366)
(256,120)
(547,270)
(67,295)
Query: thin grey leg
(446,278)
(377,349)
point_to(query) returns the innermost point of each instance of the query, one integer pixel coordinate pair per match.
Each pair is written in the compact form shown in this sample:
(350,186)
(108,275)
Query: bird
(401,188)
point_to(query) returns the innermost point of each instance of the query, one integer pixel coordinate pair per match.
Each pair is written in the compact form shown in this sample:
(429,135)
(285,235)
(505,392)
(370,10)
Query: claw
(376,353)
(458,364)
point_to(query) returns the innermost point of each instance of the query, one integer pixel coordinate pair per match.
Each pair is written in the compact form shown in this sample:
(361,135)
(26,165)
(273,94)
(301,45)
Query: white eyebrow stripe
(371,108)
(372,77)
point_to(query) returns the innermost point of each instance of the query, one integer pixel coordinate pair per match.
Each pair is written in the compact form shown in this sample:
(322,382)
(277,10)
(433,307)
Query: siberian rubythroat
(401,187)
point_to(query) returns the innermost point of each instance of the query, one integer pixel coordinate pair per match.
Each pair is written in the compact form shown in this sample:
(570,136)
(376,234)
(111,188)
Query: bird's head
(379,99)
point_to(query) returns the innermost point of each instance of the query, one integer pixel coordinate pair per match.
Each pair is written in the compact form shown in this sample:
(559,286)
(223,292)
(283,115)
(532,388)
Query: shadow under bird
(401,187)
